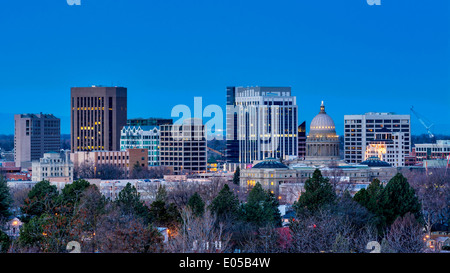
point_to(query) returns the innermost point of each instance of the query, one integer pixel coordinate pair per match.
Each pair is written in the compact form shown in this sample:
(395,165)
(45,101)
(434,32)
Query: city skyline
(383,58)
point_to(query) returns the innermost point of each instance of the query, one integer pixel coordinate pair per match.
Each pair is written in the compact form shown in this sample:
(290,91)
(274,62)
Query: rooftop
(270,163)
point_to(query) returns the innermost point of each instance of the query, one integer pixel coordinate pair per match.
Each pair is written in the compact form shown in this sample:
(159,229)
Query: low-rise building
(53,167)
(438,150)
(121,159)
(286,182)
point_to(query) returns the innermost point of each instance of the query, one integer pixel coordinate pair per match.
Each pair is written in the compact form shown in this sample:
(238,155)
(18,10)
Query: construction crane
(215,151)
(427,124)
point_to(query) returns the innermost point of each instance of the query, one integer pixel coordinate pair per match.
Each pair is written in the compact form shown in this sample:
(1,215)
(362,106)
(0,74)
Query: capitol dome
(322,142)
(322,125)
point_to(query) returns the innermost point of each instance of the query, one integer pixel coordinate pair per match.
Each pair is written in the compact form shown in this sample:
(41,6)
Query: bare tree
(405,235)
(327,232)
(433,190)
(109,171)
(268,239)
(19,195)
(125,233)
(199,235)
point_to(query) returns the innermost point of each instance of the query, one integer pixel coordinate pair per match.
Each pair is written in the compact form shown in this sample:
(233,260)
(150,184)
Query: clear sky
(356,57)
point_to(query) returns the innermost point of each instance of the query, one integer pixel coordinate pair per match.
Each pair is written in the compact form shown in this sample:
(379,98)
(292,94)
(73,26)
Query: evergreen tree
(261,208)
(399,198)
(5,242)
(225,205)
(370,197)
(318,193)
(129,201)
(236,176)
(161,214)
(72,193)
(5,198)
(196,204)
(161,194)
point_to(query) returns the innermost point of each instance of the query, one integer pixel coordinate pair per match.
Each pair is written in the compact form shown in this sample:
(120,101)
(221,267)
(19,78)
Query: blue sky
(357,58)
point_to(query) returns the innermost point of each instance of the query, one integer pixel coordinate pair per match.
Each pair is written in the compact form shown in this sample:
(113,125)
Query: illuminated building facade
(261,123)
(387,146)
(322,142)
(361,129)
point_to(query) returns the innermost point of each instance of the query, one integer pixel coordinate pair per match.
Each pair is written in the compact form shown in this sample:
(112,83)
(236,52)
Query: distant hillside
(7,142)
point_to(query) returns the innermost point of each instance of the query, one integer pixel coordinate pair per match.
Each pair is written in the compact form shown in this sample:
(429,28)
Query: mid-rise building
(183,147)
(52,167)
(34,135)
(142,137)
(263,120)
(388,147)
(361,129)
(98,114)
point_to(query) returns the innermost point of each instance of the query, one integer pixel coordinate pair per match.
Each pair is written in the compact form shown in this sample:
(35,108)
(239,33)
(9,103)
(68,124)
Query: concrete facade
(97,116)
(34,135)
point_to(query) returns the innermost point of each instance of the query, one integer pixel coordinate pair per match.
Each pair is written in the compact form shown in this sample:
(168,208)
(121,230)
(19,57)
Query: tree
(71,193)
(139,172)
(84,170)
(42,198)
(236,176)
(163,215)
(405,235)
(125,233)
(161,194)
(433,191)
(326,231)
(5,199)
(88,211)
(5,242)
(261,208)
(399,198)
(371,197)
(199,234)
(109,171)
(225,205)
(196,204)
(318,193)
(129,201)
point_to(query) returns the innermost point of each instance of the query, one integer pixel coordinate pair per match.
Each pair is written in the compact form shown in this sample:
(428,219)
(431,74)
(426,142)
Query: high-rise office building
(98,115)
(361,129)
(302,140)
(149,121)
(263,120)
(183,147)
(232,142)
(34,135)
